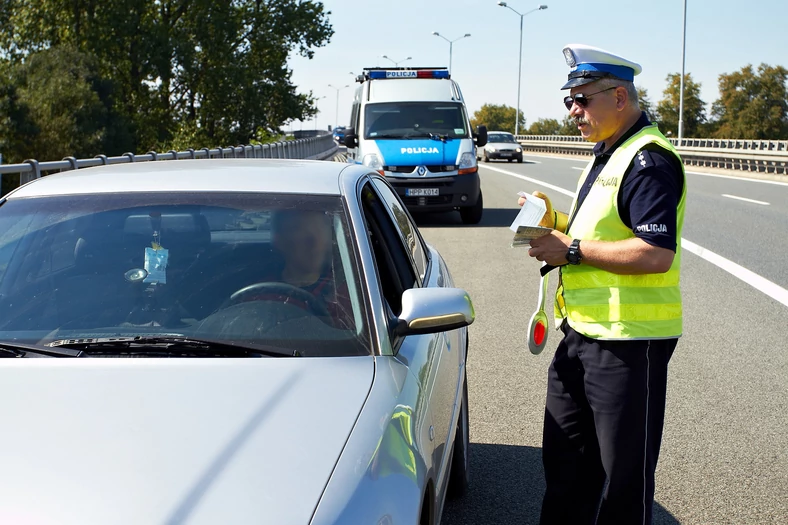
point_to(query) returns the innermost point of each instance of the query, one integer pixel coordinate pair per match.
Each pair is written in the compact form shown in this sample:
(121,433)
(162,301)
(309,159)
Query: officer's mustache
(580,120)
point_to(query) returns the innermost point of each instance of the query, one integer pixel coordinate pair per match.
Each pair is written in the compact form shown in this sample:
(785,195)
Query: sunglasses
(582,100)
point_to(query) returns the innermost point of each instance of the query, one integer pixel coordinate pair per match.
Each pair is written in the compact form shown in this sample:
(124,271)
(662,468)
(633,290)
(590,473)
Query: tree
(545,126)
(57,107)
(568,126)
(208,69)
(17,129)
(753,105)
(497,118)
(694,107)
(550,126)
(645,103)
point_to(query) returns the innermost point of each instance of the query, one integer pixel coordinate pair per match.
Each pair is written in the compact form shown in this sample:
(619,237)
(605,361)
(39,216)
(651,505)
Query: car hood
(155,441)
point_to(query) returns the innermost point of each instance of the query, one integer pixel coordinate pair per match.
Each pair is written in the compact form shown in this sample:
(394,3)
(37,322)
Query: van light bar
(408,73)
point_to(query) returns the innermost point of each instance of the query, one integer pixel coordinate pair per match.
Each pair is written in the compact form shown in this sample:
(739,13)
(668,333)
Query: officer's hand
(548,220)
(551,248)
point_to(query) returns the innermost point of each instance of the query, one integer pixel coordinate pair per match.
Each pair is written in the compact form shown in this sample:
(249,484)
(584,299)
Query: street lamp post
(451,43)
(396,62)
(681,85)
(520,61)
(336,120)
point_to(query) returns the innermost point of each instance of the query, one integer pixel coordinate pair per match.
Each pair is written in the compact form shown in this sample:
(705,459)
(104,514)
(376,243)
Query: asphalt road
(725,447)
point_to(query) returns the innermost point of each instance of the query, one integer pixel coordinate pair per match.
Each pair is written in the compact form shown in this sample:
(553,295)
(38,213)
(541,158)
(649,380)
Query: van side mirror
(480,136)
(351,141)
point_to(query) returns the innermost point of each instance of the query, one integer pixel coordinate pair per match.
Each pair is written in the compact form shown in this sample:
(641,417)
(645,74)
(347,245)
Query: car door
(444,357)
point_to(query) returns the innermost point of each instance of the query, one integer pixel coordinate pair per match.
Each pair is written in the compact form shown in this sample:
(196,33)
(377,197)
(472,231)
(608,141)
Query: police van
(411,125)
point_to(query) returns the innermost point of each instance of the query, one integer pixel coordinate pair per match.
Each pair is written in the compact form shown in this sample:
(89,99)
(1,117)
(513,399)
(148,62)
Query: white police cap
(590,64)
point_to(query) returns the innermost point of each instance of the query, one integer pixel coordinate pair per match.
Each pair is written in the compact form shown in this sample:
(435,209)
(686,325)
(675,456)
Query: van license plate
(421,192)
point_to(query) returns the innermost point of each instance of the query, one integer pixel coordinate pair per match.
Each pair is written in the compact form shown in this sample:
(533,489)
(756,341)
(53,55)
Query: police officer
(618,303)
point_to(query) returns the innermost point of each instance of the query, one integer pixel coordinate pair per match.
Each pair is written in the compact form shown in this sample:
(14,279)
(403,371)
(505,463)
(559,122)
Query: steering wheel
(285,289)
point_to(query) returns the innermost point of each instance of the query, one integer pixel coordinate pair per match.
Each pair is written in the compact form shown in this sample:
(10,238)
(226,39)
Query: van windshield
(394,120)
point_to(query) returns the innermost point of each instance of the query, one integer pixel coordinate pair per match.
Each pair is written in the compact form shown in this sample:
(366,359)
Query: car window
(269,269)
(408,233)
(393,264)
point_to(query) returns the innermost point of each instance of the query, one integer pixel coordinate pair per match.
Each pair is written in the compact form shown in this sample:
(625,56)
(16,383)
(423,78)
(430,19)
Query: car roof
(209,175)
(506,132)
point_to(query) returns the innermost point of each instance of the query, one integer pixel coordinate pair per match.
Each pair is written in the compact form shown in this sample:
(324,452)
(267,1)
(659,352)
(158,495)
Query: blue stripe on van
(417,152)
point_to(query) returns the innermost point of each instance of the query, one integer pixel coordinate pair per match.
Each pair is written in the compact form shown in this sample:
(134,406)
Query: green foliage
(753,104)
(17,129)
(645,103)
(497,118)
(59,88)
(668,107)
(550,126)
(545,126)
(155,73)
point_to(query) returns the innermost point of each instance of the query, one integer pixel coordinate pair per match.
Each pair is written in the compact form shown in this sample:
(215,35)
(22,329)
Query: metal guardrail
(762,156)
(314,148)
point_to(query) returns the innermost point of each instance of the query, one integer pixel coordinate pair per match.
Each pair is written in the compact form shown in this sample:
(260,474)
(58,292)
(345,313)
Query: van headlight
(518,150)
(467,163)
(372,160)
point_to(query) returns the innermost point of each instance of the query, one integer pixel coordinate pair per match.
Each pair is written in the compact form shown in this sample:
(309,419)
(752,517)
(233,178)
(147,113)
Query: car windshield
(500,137)
(415,119)
(265,269)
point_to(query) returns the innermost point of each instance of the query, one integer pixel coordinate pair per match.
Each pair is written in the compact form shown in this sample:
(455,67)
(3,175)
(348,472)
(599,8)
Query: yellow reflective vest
(604,305)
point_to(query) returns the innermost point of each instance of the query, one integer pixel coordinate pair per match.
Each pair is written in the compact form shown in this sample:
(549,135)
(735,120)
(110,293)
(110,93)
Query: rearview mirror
(350,138)
(432,310)
(481,136)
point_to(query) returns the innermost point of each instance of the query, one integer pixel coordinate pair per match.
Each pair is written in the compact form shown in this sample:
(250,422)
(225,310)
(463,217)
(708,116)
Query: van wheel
(459,475)
(473,214)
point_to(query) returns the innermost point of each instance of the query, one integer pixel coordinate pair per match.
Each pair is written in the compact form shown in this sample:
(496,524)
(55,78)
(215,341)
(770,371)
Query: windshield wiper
(171,344)
(442,138)
(25,350)
(392,136)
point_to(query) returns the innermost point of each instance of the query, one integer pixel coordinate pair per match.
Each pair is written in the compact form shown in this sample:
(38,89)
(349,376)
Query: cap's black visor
(581,78)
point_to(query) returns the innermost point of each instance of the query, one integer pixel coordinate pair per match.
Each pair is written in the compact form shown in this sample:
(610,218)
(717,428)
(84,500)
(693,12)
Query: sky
(722,36)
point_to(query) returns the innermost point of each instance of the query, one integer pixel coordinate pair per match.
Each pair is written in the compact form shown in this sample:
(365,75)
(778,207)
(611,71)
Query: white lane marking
(733,177)
(577,168)
(535,181)
(745,199)
(773,290)
(585,161)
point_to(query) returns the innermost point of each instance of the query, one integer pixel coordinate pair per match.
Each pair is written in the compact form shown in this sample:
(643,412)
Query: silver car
(500,146)
(226,341)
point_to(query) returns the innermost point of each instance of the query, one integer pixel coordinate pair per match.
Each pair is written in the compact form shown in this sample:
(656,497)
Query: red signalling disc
(539,333)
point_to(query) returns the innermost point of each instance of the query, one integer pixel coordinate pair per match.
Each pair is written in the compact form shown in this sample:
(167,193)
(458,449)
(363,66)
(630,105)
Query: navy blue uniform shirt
(650,192)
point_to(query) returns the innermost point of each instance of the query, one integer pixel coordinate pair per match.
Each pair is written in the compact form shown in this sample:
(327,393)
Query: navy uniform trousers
(603,429)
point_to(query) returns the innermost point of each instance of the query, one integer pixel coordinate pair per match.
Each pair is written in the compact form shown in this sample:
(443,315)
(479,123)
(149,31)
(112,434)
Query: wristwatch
(573,255)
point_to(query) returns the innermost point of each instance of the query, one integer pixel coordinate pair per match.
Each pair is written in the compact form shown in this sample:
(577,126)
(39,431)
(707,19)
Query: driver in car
(304,239)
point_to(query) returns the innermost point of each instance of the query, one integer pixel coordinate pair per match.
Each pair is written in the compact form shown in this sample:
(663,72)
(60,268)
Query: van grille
(427,201)
(436,168)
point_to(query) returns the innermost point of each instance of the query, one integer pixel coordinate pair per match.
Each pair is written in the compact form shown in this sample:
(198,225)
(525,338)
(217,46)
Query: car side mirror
(432,310)
(480,136)
(350,138)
